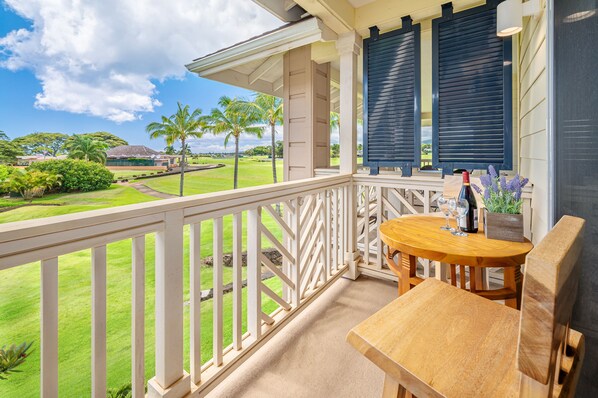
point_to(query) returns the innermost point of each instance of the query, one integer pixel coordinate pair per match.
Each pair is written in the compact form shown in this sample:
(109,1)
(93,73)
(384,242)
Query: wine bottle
(469,223)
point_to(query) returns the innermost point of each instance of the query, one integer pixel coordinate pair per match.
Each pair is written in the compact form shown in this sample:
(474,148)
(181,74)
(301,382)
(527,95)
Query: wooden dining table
(420,236)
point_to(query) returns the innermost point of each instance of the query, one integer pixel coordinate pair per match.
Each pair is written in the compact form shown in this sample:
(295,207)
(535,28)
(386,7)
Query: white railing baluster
(343,222)
(335,229)
(195,298)
(237,281)
(366,225)
(49,328)
(138,317)
(98,322)
(296,266)
(379,213)
(218,333)
(327,232)
(254,273)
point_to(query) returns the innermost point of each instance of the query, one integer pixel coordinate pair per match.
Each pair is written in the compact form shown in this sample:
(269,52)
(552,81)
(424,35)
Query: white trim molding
(279,41)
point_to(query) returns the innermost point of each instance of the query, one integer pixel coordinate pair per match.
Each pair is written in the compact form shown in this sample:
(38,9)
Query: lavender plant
(500,195)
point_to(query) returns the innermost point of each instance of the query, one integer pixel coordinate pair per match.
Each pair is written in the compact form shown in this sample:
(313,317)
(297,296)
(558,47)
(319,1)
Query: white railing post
(138,318)
(170,379)
(49,328)
(195,297)
(349,46)
(254,273)
(217,299)
(98,322)
(238,281)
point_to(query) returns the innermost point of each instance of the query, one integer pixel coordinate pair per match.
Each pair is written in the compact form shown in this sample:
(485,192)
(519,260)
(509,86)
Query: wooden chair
(440,341)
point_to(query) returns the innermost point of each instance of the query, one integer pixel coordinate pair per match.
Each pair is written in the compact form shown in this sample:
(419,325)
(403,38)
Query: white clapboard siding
(533,117)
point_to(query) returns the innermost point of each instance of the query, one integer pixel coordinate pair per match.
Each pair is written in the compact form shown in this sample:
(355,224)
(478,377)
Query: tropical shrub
(5,172)
(31,184)
(11,358)
(77,175)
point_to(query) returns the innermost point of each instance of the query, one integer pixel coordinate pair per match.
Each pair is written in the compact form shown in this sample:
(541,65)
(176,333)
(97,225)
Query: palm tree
(82,147)
(178,127)
(235,117)
(335,120)
(269,110)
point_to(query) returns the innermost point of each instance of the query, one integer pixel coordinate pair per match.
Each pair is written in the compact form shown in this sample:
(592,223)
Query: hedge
(77,175)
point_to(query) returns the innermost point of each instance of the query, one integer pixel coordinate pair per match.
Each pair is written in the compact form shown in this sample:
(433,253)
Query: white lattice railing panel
(383,197)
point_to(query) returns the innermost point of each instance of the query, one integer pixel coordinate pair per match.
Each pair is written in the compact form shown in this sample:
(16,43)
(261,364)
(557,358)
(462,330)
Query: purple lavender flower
(513,184)
(486,180)
(523,182)
(517,195)
(487,194)
(477,189)
(492,171)
(494,186)
(503,183)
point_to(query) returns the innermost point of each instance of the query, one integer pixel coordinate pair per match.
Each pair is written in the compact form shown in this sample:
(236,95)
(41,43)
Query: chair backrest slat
(549,291)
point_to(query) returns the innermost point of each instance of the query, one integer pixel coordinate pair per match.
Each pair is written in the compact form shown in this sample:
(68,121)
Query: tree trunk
(182,165)
(236,162)
(273,128)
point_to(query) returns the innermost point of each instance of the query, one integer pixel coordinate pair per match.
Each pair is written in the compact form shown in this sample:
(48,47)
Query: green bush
(31,184)
(5,172)
(77,175)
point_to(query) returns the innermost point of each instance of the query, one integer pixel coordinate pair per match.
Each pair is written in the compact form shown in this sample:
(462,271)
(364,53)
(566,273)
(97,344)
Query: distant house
(28,160)
(138,155)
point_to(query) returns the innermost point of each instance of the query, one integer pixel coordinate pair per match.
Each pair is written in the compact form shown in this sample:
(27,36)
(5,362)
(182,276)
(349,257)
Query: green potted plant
(502,201)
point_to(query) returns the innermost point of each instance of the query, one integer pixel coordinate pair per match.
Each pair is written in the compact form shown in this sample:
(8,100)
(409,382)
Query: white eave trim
(295,35)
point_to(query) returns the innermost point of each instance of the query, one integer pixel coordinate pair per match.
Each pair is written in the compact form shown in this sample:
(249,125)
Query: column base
(180,388)
(352,259)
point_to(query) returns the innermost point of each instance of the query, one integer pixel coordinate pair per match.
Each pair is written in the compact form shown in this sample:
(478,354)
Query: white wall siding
(533,152)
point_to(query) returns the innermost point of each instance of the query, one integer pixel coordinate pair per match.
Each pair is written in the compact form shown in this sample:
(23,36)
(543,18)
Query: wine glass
(460,208)
(443,205)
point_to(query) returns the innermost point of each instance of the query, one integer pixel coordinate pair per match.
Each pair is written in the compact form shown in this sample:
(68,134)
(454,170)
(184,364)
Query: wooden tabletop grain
(421,236)
(441,341)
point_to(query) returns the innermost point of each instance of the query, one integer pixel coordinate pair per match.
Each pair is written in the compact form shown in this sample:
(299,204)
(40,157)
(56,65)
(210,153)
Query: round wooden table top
(421,236)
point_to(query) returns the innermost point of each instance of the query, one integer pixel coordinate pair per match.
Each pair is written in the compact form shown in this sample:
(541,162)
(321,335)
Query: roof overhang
(279,41)
(285,10)
(256,64)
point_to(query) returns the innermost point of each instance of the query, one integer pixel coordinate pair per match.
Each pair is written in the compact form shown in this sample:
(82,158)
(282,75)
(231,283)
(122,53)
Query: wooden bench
(441,341)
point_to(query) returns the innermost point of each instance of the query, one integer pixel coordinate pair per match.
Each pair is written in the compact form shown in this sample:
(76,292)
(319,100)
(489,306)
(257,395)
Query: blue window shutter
(472,91)
(391,100)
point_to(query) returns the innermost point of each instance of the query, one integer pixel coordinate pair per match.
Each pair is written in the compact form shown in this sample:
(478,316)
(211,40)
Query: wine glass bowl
(444,206)
(460,210)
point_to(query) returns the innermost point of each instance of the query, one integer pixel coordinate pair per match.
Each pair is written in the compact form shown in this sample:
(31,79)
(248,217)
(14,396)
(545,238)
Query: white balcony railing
(309,236)
(313,236)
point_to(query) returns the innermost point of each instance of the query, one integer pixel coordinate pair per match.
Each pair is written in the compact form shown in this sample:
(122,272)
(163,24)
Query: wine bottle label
(463,222)
(475,219)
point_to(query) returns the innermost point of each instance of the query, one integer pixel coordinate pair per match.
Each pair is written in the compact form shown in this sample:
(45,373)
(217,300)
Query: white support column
(349,45)
(170,380)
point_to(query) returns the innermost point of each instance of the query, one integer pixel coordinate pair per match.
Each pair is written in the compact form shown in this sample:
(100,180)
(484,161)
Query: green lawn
(252,172)
(20,295)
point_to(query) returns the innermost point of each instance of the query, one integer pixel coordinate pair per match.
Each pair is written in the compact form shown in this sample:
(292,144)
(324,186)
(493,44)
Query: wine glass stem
(448,225)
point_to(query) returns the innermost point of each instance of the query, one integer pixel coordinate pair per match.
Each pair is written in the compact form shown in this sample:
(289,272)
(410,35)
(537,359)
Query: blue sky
(81,79)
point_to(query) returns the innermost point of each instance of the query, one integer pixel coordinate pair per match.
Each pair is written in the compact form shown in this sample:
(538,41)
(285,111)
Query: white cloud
(99,57)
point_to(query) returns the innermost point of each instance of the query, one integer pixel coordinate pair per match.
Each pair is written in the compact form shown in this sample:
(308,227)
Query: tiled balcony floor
(309,357)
